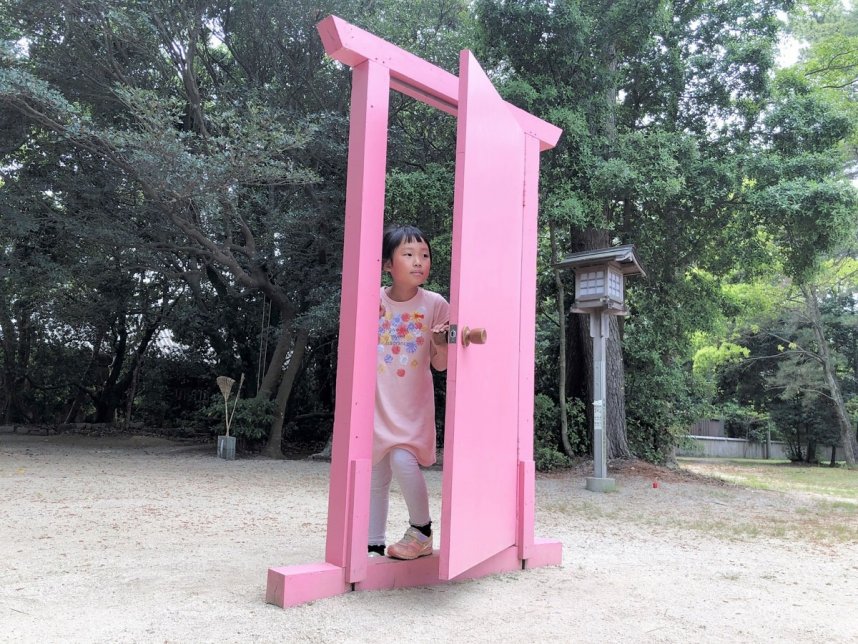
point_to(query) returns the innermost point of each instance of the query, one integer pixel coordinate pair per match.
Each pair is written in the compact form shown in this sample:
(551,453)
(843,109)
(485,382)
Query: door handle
(477,336)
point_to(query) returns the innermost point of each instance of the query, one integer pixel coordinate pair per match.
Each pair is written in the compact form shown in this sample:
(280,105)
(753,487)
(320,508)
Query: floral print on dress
(400,337)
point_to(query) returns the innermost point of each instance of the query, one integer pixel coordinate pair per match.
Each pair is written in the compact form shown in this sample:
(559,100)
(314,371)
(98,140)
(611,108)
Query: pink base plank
(544,552)
(384,573)
(292,585)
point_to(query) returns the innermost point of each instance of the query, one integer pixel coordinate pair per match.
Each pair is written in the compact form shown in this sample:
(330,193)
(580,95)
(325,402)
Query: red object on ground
(655,484)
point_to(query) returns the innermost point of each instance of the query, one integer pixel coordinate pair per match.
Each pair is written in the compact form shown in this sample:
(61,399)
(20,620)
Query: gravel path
(142,540)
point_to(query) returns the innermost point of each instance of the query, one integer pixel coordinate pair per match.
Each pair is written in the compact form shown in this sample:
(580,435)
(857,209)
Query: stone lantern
(599,292)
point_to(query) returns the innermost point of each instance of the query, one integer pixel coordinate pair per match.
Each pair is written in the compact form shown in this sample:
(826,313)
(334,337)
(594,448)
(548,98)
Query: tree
(658,102)
(800,196)
(224,128)
(785,369)
(830,61)
(211,176)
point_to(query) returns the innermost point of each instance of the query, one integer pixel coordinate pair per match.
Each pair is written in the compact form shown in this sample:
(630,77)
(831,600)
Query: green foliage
(783,377)
(176,174)
(546,431)
(664,110)
(174,387)
(797,187)
(708,359)
(202,146)
(548,451)
(830,60)
(252,418)
(745,422)
(547,459)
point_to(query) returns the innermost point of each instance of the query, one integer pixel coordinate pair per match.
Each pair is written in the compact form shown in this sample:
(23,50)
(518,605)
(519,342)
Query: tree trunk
(10,335)
(100,332)
(278,357)
(618,443)
(561,367)
(116,387)
(810,454)
(106,401)
(275,436)
(129,407)
(847,433)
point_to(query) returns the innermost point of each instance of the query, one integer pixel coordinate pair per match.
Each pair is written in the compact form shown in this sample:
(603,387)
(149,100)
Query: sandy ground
(141,540)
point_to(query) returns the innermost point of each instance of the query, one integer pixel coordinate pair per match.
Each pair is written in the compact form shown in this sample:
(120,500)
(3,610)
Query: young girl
(412,334)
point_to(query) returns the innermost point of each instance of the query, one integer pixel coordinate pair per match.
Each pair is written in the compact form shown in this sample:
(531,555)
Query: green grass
(823,501)
(817,506)
(837,484)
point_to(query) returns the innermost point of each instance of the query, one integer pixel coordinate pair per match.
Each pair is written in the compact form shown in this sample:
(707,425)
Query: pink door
(479,498)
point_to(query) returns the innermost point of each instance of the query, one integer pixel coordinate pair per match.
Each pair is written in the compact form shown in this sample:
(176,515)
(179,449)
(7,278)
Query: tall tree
(658,101)
(226,128)
(213,155)
(829,61)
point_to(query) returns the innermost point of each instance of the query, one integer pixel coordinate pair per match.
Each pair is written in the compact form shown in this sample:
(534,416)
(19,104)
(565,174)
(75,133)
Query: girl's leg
(411,481)
(417,541)
(379,496)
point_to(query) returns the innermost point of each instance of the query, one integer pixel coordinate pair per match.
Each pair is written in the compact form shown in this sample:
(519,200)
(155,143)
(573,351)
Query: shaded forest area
(172,179)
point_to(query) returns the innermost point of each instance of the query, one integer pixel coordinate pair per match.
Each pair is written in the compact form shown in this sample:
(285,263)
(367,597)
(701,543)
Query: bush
(251,420)
(547,459)
(546,435)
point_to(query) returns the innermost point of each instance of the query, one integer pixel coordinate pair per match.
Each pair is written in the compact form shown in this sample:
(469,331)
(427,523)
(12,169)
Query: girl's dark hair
(395,235)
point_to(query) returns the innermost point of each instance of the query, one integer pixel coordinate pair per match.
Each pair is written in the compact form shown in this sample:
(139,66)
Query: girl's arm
(438,347)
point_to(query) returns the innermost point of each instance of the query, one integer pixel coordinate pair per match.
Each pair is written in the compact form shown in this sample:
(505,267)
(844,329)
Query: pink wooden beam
(384,573)
(293,585)
(544,552)
(527,349)
(348,501)
(414,76)
(526,508)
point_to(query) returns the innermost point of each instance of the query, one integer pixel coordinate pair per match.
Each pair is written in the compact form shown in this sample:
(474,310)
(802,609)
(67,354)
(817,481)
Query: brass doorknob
(477,336)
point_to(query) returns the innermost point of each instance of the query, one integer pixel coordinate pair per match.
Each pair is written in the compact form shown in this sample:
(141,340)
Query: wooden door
(479,498)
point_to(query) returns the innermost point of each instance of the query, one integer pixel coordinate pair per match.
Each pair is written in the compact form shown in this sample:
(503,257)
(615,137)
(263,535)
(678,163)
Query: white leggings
(403,464)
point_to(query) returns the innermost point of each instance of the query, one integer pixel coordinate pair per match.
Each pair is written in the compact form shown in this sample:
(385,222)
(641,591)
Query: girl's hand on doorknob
(439,334)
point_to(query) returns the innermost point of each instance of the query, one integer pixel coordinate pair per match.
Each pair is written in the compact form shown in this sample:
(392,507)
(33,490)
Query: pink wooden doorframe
(378,67)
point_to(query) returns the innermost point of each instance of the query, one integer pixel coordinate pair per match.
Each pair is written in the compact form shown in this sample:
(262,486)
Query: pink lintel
(414,76)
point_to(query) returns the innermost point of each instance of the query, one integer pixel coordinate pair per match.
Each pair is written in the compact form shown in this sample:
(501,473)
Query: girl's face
(409,266)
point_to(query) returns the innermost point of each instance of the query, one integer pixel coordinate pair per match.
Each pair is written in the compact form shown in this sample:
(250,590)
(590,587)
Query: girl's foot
(413,545)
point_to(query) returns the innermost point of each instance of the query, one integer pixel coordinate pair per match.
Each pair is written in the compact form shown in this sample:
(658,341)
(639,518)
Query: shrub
(251,421)
(546,435)
(548,459)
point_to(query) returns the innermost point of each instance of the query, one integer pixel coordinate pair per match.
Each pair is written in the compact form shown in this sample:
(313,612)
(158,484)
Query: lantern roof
(623,257)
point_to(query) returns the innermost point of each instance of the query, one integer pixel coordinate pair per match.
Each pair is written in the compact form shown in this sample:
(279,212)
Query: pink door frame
(378,67)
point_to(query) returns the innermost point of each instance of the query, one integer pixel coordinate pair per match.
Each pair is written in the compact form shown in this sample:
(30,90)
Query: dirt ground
(142,540)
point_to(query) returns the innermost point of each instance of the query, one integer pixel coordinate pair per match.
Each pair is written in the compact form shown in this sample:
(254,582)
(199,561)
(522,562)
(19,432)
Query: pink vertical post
(527,348)
(348,501)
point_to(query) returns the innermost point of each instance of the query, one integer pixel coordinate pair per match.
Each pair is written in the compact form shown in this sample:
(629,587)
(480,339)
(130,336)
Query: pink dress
(404,396)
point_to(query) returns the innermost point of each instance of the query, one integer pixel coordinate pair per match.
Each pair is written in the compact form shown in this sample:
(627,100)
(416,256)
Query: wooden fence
(721,447)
